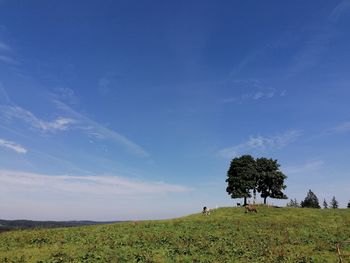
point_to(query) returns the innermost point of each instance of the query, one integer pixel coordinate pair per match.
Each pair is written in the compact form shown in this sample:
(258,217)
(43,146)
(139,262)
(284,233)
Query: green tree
(310,201)
(241,177)
(325,205)
(270,179)
(334,203)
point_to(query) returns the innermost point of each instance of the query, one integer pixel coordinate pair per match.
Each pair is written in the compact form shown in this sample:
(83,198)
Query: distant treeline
(7,225)
(311,201)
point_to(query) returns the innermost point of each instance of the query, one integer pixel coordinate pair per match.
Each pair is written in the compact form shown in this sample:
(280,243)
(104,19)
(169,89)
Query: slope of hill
(227,235)
(7,225)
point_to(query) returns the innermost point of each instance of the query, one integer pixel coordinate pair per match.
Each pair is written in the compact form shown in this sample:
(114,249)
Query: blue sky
(114,110)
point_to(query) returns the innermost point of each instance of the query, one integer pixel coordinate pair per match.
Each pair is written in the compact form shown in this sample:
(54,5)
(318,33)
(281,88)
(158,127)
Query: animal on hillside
(250,208)
(206,211)
(238,204)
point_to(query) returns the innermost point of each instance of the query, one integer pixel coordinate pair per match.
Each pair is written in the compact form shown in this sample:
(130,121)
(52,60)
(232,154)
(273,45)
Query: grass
(227,235)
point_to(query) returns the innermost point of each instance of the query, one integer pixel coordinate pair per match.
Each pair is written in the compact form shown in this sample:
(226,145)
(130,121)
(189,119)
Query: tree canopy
(241,177)
(247,174)
(271,179)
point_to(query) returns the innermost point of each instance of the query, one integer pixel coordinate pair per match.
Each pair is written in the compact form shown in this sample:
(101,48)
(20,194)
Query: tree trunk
(245,201)
(265,200)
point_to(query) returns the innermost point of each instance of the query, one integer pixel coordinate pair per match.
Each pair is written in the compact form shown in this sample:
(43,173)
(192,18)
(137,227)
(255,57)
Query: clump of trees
(247,175)
(310,201)
(293,203)
(349,204)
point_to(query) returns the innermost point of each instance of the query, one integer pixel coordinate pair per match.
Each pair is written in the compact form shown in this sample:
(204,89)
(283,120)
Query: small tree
(334,203)
(241,177)
(325,205)
(349,204)
(310,201)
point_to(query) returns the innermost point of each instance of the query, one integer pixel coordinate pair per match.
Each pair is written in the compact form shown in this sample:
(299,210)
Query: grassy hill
(227,235)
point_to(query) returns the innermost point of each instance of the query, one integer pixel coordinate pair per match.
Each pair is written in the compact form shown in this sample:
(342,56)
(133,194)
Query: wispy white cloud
(100,185)
(313,48)
(340,9)
(248,59)
(9,60)
(16,112)
(4,47)
(71,120)
(12,146)
(307,167)
(107,82)
(6,55)
(61,124)
(104,85)
(311,52)
(263,94)
(65,94)
(260,143)
(4,98)
(99,131)
(341,128)
(257,91)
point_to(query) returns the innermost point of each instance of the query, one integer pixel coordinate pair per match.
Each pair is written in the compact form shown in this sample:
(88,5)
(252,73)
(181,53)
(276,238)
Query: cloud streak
(255,96)
(104,85)
(313,49)
(339,10)
(305,168)
(16,112)
(260,143)
(65,94)
(258,92)
(98,131)
(5,55)
(9,60)
(99,185)
(13,146)
(76,121)
(4,47)
(342,128)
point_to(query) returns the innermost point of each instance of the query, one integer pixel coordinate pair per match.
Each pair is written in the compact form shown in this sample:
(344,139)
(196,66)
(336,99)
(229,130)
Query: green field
(227,235)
